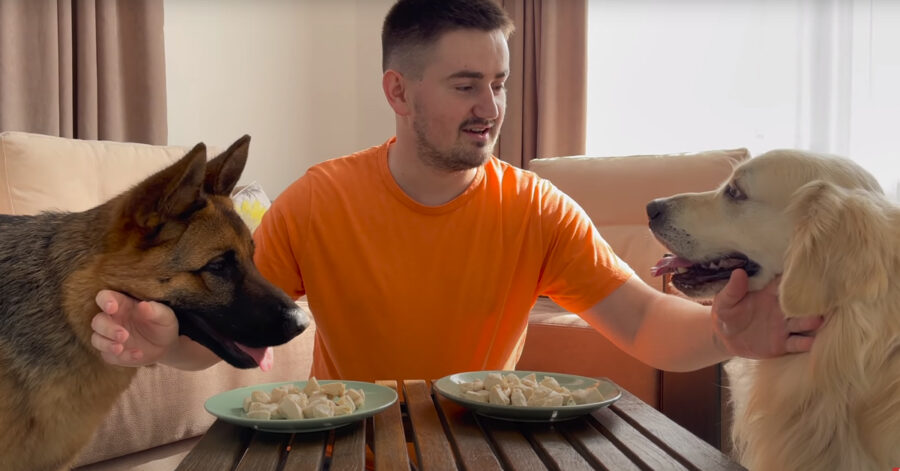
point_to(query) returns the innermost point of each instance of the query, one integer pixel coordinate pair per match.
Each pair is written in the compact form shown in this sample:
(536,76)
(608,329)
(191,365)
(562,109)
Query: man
(423,256)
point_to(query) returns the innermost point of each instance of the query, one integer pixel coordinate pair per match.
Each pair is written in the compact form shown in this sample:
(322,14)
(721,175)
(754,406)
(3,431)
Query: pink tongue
(264,357)
(668,264)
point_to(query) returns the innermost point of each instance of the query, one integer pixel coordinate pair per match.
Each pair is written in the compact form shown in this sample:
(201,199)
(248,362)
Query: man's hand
(129,332)
(752,325)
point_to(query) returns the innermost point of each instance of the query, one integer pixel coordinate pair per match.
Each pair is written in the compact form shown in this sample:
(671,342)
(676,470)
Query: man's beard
(457,158)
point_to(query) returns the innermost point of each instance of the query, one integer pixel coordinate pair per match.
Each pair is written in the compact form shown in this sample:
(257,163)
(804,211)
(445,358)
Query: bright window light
(670,76)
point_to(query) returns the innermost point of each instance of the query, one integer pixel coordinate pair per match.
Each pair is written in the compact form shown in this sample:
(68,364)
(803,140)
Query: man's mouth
(481,131)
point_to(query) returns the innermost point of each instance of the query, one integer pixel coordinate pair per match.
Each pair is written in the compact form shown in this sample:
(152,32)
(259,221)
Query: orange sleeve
(279,239)
(580,268)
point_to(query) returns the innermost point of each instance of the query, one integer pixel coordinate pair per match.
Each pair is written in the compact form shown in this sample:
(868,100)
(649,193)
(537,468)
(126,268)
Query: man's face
(460,101)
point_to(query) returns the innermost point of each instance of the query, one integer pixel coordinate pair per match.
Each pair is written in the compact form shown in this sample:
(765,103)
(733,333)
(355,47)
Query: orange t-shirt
(401,290)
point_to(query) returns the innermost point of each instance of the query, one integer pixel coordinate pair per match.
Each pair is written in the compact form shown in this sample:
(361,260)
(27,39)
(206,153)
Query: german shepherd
(173,238)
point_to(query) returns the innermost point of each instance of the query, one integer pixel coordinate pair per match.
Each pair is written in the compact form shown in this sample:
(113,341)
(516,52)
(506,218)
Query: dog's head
(177,239)
(745,223)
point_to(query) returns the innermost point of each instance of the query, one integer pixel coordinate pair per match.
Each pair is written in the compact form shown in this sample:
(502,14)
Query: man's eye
(734,193)
(464,88)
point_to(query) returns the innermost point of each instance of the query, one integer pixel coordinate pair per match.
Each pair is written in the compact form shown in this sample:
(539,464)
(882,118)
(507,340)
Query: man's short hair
(411,27)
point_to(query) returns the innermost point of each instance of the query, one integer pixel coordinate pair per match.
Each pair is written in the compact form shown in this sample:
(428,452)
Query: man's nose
(489,104)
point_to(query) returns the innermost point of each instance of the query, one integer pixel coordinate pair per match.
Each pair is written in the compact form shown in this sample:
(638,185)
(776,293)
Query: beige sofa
(161,415)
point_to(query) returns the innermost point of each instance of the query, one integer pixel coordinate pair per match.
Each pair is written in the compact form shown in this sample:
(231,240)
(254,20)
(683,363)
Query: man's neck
(423,183)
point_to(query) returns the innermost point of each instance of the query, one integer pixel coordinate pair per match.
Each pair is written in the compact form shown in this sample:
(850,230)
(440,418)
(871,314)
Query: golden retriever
(823,223)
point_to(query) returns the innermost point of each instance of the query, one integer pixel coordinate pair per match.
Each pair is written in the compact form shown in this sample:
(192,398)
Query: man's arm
(675,334)
(665,332)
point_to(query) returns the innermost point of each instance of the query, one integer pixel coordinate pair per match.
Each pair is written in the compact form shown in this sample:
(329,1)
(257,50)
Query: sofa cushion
(40,173)
(615,190)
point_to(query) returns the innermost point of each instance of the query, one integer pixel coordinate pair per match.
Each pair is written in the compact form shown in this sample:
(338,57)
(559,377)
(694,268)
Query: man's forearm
(663,331)
(678,336)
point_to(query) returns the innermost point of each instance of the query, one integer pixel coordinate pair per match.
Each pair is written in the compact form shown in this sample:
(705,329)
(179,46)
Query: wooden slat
(264,451)
(220,448)
(514,449)
(595,447)
(671,436)
(389,440)
(471,445)
(558,453)
(634,443)
(397,386)
(433,448)
(307,452)
(349,447)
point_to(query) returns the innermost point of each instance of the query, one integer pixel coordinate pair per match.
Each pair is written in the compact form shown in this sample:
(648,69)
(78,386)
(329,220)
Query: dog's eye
(735,193)
(216,264)
(219,263)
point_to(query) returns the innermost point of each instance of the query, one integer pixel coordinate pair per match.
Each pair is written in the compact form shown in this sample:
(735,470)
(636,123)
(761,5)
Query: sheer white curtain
(684,75)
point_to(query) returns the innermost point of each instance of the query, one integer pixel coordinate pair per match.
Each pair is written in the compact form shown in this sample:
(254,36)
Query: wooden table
(444,436)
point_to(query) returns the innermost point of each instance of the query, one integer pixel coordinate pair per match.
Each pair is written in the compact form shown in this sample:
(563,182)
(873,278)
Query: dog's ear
(223,172)
(171,193)
(836,253)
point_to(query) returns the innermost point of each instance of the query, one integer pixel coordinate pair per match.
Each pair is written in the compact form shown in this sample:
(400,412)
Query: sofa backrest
(40,173)
(614,192)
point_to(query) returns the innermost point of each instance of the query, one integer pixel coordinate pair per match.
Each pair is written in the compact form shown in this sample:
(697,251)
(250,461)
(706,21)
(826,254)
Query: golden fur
(821,222)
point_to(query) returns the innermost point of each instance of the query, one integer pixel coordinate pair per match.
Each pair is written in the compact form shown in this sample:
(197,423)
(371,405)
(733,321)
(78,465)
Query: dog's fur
(824,224)
(174,238)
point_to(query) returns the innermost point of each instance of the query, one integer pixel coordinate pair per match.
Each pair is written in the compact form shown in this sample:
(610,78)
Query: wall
(302,77)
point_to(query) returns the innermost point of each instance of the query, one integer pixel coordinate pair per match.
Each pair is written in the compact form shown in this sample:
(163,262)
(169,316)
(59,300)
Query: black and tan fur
(174,238)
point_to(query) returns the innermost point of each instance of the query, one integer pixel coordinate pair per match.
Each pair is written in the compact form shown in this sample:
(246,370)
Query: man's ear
(395,87)
(171,193)
(224,171)
(836,254)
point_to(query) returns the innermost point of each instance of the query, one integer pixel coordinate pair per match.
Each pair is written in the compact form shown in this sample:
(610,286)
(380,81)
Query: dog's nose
(656,209)
(297,321)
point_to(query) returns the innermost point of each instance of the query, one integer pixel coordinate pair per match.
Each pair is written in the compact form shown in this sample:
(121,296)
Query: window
(685,75)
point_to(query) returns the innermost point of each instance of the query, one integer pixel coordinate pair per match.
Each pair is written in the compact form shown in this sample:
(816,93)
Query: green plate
(448,386)
(229,406)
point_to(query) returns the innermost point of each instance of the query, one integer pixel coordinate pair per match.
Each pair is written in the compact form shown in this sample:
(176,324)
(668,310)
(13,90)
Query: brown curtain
(547,89)
(88,69)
